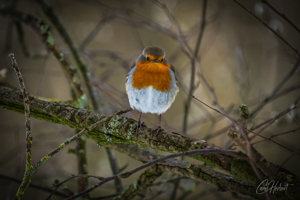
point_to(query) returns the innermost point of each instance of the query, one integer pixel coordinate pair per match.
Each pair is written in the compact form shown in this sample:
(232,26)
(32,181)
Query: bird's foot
(137,127)
(158,130)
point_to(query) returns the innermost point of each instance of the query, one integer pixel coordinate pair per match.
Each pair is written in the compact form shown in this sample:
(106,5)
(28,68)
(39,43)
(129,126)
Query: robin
(151,84)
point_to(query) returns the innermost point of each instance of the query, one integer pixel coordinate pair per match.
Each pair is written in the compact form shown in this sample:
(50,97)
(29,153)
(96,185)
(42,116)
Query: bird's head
(152,55)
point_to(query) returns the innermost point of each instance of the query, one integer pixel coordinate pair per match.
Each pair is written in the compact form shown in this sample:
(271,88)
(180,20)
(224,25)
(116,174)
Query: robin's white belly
(149,100)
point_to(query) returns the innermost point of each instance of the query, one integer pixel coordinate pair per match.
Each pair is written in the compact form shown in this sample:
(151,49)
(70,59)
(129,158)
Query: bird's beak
(155,60)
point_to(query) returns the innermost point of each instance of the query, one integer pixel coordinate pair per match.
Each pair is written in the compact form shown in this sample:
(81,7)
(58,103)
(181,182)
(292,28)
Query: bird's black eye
(162,60)
(147,58)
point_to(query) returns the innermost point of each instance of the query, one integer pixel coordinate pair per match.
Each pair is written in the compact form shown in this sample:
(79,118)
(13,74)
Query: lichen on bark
(118,128)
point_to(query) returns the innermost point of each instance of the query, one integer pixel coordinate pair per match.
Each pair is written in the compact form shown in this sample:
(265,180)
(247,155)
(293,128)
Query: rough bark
(201,173)
(121,129)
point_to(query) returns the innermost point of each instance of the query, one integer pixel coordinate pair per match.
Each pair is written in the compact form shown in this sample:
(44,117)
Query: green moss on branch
(121,130)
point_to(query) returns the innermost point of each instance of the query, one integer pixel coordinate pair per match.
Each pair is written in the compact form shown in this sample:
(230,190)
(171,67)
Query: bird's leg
(138,126)
(159,127)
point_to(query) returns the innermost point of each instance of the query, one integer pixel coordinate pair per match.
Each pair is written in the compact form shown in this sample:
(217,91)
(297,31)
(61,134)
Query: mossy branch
(145,180)
(265,167)
(50,13)
(121,130)
(201,173)
(43,31)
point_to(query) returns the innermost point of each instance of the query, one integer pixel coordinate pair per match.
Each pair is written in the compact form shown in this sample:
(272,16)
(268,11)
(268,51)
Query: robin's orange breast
(152,74)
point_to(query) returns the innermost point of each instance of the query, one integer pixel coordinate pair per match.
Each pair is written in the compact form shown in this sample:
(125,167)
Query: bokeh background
(240,58)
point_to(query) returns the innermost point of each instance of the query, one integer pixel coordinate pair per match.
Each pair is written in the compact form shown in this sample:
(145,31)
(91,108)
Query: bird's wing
(132,66)
(173,69)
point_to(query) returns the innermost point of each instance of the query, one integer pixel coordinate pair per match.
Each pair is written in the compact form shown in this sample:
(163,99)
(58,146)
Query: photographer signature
(271,187)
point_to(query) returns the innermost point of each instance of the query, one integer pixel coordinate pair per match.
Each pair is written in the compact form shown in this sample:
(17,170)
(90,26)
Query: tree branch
(282,15)
(28,166)
(48,10)
(268,27)
(120,129)
(32,185)
(201,173)
(151,163)
(193,68)
(145,180)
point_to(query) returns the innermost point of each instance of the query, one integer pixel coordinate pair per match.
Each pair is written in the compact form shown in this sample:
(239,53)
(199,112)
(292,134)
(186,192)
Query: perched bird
(151,84)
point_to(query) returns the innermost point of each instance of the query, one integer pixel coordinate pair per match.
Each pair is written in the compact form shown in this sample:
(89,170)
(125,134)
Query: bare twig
(276,89)
(27,176)
(43,30)
(257,134)
(118,129)
(272,120)
(283,163)
(21,35)
(129,173)
(181,38)
(268,27)
(56,186)
(192,86)
(124,167)
(96,30)
(286,91)
(145,180)
(48,10)
(276,135)
(94,96)
(82,168)
(8,37)
(248,147)
(282,15)
(9,33)
(114,167)
(193,68)
(73,138)
(32,185)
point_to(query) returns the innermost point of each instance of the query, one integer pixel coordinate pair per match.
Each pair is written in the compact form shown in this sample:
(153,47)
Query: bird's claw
(137,127)
(158,130)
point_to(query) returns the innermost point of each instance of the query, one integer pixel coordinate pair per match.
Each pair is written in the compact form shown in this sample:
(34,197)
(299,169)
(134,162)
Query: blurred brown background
(241,59)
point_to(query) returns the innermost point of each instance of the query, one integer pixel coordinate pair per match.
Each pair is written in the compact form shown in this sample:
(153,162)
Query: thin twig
(49,11)
(257,134)
(175,141)
(193,68)
(266,25)
(56,187)
(281,14)
(28,166)
(145,180)
(32,185)
(114,167)
(271,121)
(192,82)
(276,89)
(96,30)
(73,138)
(43,30)
(249,147)
(82,168)
(284,162)
(181,38)
(276,135)
(21,37)
(124,167)
(9,33)
(93,94)
(129,173)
